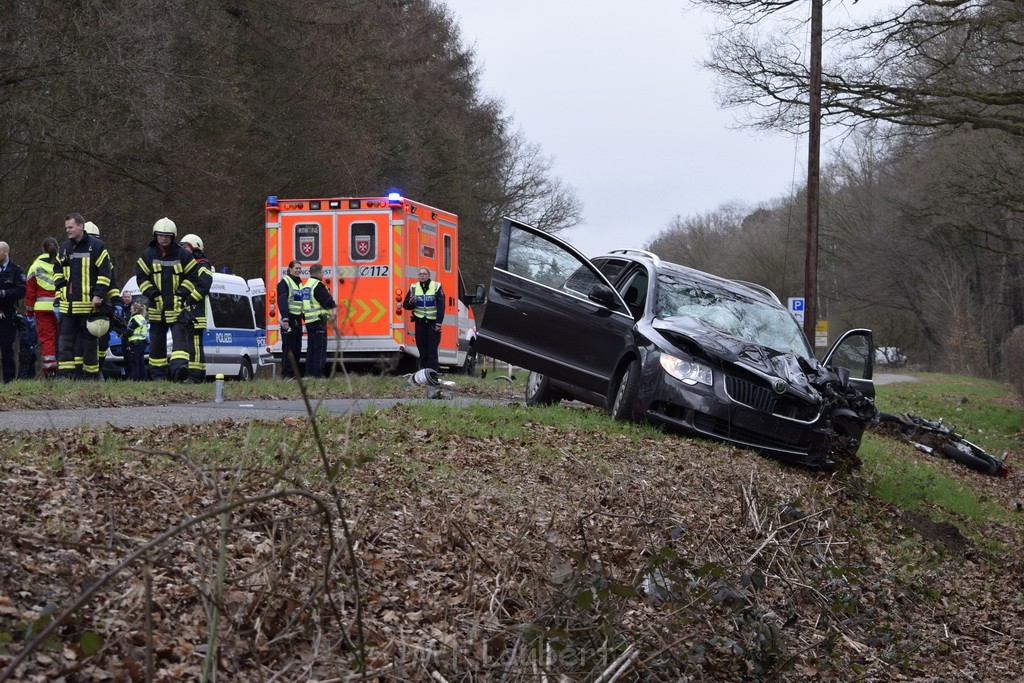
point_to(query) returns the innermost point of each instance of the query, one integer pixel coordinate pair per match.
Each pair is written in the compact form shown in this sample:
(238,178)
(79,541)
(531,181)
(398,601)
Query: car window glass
(231,310)
(610,268)
(634,293)
(740,316)
(852,353)
(259,305)
(535,258)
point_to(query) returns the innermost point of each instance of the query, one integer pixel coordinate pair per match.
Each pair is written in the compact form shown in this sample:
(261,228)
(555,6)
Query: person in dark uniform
(12,290)
(289,305)
(82,279)
(197,361)
(426,301)
(318,306)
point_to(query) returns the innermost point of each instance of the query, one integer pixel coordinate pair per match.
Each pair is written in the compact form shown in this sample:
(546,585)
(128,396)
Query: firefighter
(426,301)
(39,304)
(317,307)
(114,300)
(82,277)
(197,363)
(289,301)
(171,280)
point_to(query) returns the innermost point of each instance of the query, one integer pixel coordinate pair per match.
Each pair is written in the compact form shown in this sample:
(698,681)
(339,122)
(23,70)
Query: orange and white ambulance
(371,249)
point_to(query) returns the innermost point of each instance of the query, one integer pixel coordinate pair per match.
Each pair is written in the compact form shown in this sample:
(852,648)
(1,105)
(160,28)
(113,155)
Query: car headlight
(686,371)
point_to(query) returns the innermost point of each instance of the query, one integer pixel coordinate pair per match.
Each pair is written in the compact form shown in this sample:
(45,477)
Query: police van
(235,340)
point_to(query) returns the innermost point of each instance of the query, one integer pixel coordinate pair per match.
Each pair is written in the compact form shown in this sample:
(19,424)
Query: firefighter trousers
(46,327)
(174,368)
(77,349)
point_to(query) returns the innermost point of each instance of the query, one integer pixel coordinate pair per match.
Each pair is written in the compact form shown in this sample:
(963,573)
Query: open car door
(551,311)
(855,351)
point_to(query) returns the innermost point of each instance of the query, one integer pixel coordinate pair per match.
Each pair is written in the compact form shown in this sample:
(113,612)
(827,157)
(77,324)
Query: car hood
(785,371)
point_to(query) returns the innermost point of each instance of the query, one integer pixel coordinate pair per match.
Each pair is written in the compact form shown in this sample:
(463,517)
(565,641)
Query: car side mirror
(480,297)
(602,294)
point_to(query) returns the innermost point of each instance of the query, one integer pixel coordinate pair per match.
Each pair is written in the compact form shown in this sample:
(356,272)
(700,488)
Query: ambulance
(371,249)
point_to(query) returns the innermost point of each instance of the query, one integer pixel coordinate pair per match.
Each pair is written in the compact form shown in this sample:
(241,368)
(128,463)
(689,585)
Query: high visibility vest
(312,311)
(295,297)
(42,271)
(141,329)
(426,301)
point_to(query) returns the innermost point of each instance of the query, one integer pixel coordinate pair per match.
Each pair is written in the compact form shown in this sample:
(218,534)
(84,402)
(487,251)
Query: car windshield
(730,312)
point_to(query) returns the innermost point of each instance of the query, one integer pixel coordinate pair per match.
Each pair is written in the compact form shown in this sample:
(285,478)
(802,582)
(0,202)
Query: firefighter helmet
(92,228)
(98,325)
(165,226)
(193,241)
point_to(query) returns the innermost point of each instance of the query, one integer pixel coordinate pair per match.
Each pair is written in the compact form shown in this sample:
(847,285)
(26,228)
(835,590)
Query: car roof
(736,286)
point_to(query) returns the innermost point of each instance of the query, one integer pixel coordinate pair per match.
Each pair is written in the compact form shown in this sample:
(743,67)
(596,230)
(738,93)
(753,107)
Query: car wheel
(539,391)
(245,372)
(624,405)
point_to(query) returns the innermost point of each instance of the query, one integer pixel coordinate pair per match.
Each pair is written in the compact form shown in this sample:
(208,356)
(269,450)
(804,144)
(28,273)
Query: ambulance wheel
(469,366)
(245,372)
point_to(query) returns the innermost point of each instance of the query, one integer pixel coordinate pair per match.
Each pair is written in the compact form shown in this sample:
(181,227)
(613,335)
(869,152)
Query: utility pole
(813,176)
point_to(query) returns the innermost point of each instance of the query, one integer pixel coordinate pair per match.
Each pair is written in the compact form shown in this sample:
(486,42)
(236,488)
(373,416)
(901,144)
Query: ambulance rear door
(361,279)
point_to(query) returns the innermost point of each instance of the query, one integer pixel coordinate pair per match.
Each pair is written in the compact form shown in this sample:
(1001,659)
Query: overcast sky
(613,92)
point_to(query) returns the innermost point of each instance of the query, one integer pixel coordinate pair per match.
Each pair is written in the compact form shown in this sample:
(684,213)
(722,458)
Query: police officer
(39,303)
(171,280)
(82,277)
(317,305)
(197,361)
(289,302)
(426,301)
(12,290)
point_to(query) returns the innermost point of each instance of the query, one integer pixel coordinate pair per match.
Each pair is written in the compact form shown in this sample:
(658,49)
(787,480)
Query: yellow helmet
(165,226)
(92,228)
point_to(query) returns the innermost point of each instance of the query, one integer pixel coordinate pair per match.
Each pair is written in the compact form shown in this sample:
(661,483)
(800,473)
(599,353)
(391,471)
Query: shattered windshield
(734,314)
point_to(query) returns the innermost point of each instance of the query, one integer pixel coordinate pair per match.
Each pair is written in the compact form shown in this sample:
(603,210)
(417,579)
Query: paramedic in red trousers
(81,277)
(317,307)
(39,303)
(289,303)
(12,290)
(173,283)
(426,301)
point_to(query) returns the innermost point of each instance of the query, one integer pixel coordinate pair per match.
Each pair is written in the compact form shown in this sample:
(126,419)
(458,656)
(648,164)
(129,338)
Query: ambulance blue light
(394,197)
(271,200)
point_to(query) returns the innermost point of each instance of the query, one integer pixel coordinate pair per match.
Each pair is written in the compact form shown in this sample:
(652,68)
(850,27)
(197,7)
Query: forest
(922,230)
(127,111)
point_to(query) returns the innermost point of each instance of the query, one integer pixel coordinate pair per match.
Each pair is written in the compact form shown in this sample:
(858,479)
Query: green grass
(897,473)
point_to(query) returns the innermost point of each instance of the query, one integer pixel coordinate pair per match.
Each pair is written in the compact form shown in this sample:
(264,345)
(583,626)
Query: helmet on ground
(98,325)
(165,226)
(92,228)
(193,241)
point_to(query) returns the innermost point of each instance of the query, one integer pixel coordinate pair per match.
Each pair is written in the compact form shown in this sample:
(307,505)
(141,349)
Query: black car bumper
(740,410)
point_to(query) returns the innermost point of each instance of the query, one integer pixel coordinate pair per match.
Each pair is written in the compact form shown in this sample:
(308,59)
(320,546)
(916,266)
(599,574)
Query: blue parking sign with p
(796,303)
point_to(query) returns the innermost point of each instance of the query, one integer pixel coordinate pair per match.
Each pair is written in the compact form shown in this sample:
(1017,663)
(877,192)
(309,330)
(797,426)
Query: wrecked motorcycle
(935,438)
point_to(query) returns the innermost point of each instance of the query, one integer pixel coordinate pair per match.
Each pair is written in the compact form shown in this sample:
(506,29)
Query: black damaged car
(656,341)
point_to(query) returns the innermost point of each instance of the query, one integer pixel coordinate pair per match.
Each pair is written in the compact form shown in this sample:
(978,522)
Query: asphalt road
(194,413)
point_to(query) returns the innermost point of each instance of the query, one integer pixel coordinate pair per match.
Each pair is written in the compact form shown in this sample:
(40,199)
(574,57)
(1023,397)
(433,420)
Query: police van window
(362,243)
(231,310)
(259,303)
(447,253)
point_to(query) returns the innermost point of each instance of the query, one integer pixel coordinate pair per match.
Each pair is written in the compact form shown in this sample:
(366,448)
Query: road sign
(821,334)
(796,307)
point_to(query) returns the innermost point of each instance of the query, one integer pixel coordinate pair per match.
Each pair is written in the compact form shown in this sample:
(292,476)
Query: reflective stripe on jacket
(139,328)
(83,270)
(296,306)
(426,301)
(40,286)
(169,279)
(312,311)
